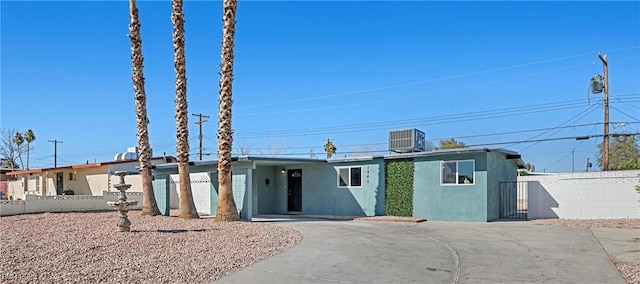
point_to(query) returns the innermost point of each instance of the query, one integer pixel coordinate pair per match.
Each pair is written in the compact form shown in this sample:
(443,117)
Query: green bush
(399,188)
(69,191)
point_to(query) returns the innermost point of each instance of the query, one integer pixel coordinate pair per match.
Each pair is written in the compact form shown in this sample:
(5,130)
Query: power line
(410,96)
(585,137)
(461,117)
(575,119)
(425,81)
(634,118)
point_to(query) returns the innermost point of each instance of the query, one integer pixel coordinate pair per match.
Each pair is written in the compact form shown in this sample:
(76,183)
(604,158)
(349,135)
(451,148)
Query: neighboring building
(460,184)
(83,179)
(4,183)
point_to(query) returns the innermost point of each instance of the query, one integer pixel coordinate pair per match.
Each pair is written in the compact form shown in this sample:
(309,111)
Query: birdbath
(122,205)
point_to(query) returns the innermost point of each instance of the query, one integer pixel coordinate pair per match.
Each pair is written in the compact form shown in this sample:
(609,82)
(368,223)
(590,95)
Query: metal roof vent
(129,155)
(406,141)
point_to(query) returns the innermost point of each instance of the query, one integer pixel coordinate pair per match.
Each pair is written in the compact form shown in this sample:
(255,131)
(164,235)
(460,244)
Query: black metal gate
(513,200)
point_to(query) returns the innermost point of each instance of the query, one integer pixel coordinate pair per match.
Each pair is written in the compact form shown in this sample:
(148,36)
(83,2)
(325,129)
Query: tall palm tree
(187,207)
(19,139)
(226,210)
(149,205)
(30,137)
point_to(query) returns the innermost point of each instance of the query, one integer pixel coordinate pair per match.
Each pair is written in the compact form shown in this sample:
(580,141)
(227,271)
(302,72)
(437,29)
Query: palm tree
(30,137)
(19,139)
(226,210)
(149,205)
(330,149)
(187,207)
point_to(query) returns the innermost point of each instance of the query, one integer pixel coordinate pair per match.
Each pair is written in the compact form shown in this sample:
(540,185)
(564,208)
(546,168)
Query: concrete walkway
(434,252)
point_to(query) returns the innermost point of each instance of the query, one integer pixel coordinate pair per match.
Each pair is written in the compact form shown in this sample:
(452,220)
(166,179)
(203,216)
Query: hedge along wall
(398,188)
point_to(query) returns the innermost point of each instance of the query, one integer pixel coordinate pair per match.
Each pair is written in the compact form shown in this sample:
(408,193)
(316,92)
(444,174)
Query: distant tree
(624,154)
(29,136)
(330,149)
(19,139)
(9,164)
(276,147)
(10,150)
(451,143)
(244,149)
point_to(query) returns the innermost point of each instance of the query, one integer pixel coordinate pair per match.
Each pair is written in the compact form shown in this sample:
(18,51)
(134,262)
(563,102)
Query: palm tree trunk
(226,210)
(187,207)
(28,148)
(149,205)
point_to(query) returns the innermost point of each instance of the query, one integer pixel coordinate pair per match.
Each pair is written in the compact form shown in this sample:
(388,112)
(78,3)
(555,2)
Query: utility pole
(605,143)
(199,123)
(55,152)
(573,159)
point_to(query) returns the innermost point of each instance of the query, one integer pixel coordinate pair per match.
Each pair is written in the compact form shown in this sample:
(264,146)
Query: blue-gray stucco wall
(434,201)
(320,192)
(499,170)
(265,189)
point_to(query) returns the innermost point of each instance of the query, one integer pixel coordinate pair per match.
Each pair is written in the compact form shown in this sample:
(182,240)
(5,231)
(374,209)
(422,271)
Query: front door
(59,184)
(294,186)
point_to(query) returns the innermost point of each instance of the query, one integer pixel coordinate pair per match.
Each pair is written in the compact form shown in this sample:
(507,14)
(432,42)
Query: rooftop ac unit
(406,141)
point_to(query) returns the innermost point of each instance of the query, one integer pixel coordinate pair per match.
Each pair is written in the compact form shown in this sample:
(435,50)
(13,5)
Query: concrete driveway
(434,252)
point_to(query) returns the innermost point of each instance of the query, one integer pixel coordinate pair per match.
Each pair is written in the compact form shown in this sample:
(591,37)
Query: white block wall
(200,189)
(64,203)
(588,195)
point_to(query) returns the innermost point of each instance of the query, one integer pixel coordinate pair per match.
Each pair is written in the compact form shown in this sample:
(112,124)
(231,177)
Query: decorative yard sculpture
(122,205)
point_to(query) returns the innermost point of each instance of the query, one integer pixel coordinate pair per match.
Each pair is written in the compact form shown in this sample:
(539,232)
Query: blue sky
(308,71)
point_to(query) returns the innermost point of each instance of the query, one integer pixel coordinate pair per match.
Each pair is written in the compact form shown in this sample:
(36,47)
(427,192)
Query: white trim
(348,181)
(442,162)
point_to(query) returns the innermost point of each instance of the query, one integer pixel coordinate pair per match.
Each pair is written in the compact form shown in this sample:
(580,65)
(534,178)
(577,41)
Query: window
(72,176)
(37,183)
(350,177)
(457,172)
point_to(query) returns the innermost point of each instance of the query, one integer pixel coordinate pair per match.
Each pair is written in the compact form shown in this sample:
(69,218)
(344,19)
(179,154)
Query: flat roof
(282,161)
(266,161)
(81,166)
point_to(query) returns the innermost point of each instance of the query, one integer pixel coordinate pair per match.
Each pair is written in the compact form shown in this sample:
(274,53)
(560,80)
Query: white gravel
(85,248)
(629,271)
(631,223)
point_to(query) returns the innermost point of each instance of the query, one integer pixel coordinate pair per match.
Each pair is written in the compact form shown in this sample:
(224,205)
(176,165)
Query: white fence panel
(588,195)
(64,203)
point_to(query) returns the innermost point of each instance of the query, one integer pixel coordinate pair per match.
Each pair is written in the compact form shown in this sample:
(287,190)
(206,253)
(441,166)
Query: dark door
(59,184)
(294,187)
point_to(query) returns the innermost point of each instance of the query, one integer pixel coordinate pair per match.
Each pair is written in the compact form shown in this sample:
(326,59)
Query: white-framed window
(461,172)
(349,177)
(72,176)
(37,183)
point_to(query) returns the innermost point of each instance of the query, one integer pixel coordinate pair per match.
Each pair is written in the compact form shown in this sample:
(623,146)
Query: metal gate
(513,200)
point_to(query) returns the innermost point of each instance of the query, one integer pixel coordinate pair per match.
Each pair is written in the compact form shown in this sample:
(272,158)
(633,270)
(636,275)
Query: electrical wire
(583,113)
(368,102)
(614,108)
(546,107)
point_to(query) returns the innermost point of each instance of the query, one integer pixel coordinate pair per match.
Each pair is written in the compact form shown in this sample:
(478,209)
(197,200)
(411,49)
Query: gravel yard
(630,271)
(592,223)
(85,248)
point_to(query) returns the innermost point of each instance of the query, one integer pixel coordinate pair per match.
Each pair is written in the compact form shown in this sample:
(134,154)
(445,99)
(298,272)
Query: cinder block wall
(587,195)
